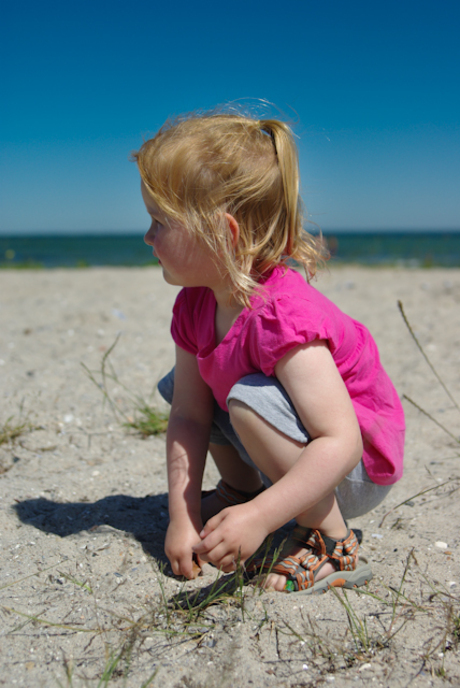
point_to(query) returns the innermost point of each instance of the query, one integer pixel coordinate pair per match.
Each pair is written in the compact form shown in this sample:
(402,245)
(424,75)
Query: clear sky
(372,89)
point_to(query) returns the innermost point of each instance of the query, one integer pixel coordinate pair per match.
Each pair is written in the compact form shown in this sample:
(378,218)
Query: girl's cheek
(156,243)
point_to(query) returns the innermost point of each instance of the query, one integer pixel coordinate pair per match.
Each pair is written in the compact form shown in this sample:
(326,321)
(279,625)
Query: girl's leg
(274,454)
(234,471)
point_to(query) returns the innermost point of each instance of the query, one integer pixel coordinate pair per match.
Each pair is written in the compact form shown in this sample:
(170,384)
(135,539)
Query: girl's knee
(240,413)
(257,398)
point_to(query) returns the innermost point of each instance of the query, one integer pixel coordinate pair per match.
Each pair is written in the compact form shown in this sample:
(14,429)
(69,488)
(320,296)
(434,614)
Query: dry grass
(143,418)
(129,647)
(11,429)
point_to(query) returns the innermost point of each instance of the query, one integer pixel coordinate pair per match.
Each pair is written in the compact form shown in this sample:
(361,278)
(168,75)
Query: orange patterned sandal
(302,571)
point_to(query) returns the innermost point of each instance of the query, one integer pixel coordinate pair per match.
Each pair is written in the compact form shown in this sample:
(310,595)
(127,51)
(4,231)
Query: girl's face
(185,261)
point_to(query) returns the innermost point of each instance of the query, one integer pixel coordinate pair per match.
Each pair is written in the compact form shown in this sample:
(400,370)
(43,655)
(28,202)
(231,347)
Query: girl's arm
(186,447)
(311,378)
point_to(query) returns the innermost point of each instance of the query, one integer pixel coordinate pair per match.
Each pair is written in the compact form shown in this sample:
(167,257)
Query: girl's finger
(227,563)
(199,561)
(221,556)
(207,544)
(176,567)
(211,525)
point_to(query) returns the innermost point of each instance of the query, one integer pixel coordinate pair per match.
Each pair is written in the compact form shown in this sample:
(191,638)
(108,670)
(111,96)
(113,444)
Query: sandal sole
(339,579)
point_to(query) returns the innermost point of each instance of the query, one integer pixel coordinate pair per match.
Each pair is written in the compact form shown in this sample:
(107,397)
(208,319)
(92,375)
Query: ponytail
(288,165)
(199,168)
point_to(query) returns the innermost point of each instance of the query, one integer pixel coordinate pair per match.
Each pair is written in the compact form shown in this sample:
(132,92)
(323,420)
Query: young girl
(285,390)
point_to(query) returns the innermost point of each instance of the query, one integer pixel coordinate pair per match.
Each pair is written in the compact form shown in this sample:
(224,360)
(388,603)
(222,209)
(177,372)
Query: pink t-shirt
(289,312)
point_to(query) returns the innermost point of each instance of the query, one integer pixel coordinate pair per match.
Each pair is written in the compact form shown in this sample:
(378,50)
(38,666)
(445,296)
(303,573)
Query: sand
(83,503)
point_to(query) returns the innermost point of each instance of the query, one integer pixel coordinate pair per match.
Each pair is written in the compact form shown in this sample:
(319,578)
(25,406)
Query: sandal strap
(258,564)
(302,571)
(232,497)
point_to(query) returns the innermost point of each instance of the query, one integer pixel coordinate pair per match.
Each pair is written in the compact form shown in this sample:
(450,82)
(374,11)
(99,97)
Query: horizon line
(31,233)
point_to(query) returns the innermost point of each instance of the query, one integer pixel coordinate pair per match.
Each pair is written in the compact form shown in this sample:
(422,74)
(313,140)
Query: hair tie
(265,129)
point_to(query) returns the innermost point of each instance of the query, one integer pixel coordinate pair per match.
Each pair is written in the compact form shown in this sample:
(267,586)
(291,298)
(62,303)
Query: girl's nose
(149,236)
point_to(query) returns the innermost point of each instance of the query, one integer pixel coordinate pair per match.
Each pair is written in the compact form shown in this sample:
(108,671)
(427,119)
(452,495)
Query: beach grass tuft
(13,428)
(147,420)
(144,418)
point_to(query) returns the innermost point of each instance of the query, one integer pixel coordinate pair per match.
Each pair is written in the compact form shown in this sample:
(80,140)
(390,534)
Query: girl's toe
(275,582)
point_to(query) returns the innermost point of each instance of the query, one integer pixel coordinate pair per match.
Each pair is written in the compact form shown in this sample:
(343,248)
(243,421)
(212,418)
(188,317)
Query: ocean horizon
(410,248)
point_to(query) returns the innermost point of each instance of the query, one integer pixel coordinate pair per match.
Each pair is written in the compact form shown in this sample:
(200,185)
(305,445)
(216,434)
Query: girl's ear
(234,229)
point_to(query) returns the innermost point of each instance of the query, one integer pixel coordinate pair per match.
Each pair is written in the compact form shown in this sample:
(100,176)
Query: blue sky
(371,88)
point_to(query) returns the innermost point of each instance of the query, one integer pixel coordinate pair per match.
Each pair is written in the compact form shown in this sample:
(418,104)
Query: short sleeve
(284,324)
(182,330)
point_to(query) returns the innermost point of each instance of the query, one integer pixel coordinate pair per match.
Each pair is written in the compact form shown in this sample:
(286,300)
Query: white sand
(82,500)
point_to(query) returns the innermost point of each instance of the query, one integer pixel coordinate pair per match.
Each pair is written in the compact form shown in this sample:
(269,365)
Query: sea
(374,248)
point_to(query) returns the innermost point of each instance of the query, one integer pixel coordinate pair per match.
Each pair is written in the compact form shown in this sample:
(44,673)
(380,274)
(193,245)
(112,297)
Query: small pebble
(364,667)
(440,545)
(452,584)
(378,536)
(305,667)
(210,642)
(118,314)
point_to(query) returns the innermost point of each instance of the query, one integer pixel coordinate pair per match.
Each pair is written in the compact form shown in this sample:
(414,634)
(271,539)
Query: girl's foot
(213,501)
(312,562)
(277,581)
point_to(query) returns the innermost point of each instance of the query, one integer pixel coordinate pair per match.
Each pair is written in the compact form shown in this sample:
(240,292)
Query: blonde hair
(199,168)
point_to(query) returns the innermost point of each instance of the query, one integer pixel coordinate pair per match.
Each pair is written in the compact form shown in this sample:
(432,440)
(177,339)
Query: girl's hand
(233,534)
(180,540)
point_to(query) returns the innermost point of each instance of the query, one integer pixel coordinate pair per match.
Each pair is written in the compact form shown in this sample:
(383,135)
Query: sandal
(229,496)
(302,571)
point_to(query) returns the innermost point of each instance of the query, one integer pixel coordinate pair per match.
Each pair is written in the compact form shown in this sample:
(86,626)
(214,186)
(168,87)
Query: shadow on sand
(146,518)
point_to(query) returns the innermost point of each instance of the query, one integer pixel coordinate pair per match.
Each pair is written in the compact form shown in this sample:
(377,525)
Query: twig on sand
(412,333)
(428,415)
(419,494)
(438,377)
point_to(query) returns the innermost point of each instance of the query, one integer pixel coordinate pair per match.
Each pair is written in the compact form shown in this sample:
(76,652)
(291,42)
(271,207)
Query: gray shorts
(356,494)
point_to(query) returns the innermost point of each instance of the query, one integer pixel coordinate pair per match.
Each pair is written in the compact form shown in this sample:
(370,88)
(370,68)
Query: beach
(85,586)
